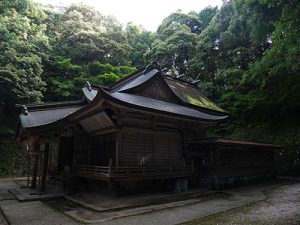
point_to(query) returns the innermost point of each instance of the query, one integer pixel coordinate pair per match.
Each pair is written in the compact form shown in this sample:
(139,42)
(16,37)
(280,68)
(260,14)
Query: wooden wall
(150,147)
(227,166)
(94,150)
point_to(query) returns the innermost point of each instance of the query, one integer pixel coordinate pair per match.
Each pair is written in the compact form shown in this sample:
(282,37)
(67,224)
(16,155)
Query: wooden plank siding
(140,147)
(150,147)
(94,150)
(133,173)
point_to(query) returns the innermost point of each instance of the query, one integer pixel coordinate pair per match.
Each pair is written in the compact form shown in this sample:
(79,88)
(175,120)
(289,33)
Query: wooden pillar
(89,150)
(35,166)
(110,167)
(45,166)
(118,147)
(28,169)
(119,138)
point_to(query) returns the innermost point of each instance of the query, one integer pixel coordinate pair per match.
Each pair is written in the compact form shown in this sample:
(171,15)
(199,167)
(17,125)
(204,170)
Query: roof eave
(108,97)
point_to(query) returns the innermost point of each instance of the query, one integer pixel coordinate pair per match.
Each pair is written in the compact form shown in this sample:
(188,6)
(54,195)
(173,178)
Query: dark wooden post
(118,147)
(45,166)
(28,169)
(35,166)
(110,167)
(89,150)
(193,168)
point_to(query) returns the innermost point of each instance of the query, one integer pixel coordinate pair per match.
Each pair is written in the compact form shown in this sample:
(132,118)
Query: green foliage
(10,152)
(10,155)
(177,37)
(206,15)
(21,37)
(245,54)
(85,35)
(106,74)
(96,68)
(69,78)
(140,42)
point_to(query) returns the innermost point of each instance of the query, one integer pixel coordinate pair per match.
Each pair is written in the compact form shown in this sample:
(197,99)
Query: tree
(22,38)
(140,42)
(85,35)
(206,15)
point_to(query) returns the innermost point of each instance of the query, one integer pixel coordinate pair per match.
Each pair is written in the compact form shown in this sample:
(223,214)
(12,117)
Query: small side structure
(223,162)
(144,128)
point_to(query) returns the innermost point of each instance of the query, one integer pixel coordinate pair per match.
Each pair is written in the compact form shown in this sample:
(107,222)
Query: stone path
(89,216)
(27,213)
(186,213)
(38,213)
(33,213)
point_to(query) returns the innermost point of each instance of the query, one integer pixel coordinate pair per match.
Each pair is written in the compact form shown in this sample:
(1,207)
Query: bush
(10,155)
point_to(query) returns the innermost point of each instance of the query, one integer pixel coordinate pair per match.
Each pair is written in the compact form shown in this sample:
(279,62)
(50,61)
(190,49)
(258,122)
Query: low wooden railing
(133,171)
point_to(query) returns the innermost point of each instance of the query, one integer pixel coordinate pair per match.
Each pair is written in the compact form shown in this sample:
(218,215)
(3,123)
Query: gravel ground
(281,207)
(274,203)
(282,204)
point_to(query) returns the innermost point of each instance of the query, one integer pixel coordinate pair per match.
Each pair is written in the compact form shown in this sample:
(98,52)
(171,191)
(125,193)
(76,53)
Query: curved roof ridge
(138,81)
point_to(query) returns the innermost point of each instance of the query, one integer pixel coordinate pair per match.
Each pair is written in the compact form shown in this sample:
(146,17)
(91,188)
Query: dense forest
(245,55)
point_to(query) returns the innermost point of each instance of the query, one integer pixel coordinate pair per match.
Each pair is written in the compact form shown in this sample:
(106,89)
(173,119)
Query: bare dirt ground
(281,207)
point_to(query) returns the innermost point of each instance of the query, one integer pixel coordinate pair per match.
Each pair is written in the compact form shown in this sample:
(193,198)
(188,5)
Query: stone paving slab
(5,195)
(33,213)
(35,196)
(88,216)
(103,202)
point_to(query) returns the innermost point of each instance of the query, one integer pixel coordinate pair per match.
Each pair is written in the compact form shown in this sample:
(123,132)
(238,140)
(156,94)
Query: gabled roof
(186,93)
(137,91)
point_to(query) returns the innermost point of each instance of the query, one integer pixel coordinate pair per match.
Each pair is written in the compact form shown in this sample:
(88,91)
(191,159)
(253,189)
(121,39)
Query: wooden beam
(87,112)
(207,123)
(103,131)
